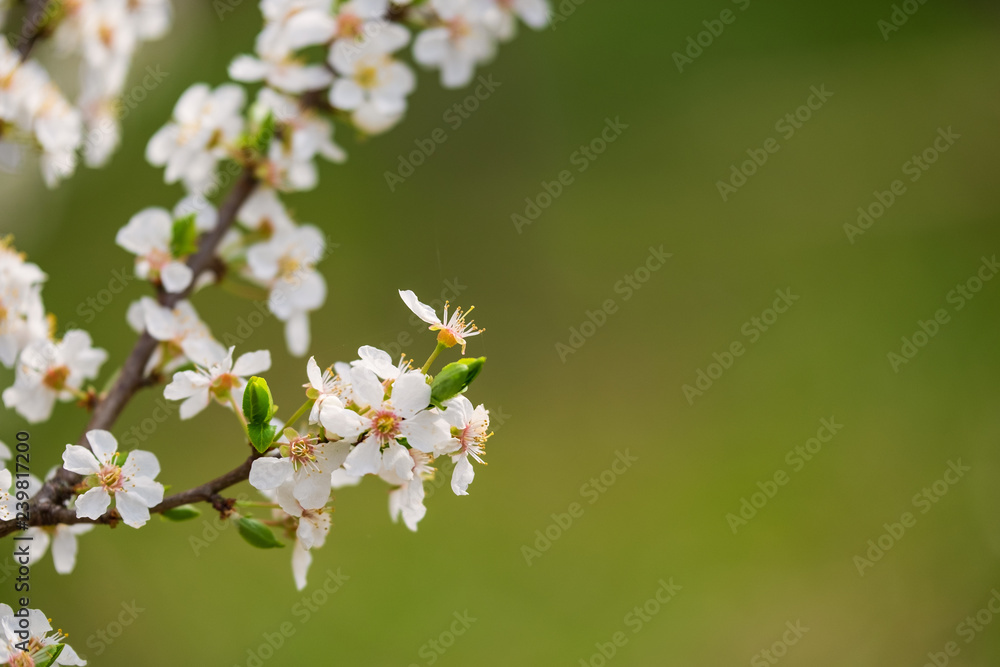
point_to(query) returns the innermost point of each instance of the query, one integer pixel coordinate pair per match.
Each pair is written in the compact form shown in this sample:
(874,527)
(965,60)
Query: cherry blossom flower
(148,235)
(205,125)
(452,331)
(22,314)
(386,420)
(372,84)
(311,527)
(285,264)
(39,637)
(172,326)
(131,484)
(48,371)
(407,500)
(457,46)
(469,429)
(216,376)
(306,462)
(502,16)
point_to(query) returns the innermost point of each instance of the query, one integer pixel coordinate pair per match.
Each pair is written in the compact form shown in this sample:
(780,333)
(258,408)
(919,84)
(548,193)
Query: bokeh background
(564,422)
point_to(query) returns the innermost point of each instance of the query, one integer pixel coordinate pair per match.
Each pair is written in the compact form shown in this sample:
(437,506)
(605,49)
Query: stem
(441,347)
(239,415)
(298,413)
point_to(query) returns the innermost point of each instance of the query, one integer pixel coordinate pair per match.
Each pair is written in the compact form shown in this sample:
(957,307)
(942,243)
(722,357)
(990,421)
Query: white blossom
(131,484)
(285,265)
(469,429)
(48,371)
(148,235)
(458,45)
(204,127)
(306,462)
(216,376)
(451,331)
(39,637)
(22,314)
(385,421)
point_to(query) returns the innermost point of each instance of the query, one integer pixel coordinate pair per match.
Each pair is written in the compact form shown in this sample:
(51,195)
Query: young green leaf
(258,405)
(257,534)
(261,435)
(184,237)
(454,379)
(182,513)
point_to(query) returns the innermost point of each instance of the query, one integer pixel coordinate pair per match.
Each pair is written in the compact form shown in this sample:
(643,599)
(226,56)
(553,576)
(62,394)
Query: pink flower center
(110,477)
(385,425)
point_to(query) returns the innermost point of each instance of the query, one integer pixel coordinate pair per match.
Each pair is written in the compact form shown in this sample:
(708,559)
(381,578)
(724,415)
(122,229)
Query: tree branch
(46,507)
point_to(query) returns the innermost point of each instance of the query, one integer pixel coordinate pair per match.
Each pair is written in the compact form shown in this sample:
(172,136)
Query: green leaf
(266,132)
(47,656)
(261,435)
(257,534)
(454,379)
(184,237)
(258,405)
(182,513)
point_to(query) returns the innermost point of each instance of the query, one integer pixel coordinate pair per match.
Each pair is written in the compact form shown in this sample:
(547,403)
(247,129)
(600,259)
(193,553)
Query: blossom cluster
(47,369)
(373,417)
(103,36)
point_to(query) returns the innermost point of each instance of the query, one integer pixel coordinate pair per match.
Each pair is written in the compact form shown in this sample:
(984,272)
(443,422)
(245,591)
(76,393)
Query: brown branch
(46,507)
(51,515)
(35,18)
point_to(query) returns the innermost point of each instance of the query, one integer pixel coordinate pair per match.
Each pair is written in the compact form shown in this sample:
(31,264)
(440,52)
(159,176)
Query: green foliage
(257,534)
(454,379)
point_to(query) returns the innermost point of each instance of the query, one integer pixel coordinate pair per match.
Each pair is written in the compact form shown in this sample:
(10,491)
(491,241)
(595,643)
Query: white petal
(252,363)
(176,276)
(132,509)
(103,445)
(195,404)
(93,503)
(426,431)
(462,476)
(79,460)
(269,473)
(301,560)
(421,310)
(364,459)
(411,393)
(64,550)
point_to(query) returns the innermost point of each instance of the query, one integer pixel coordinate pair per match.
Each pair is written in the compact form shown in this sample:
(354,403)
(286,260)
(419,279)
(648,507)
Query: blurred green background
(564,423)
